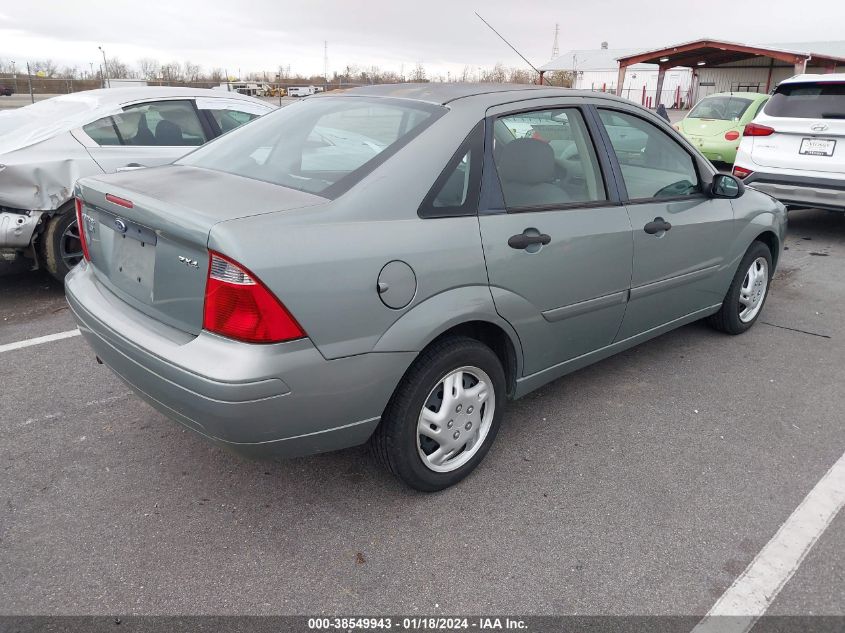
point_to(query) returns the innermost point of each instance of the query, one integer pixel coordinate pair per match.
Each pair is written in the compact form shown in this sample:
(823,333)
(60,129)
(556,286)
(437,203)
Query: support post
(542,72)
(801,66)
(658,95)
(620,80)
(29,79)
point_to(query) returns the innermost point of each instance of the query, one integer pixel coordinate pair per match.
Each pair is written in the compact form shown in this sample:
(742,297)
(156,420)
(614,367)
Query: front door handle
(522,240)
(657,225)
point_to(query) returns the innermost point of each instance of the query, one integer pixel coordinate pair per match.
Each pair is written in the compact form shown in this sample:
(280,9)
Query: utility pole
(29,79)
(555,49)
(105,69)
(14,76)
(91,64)
(326,61)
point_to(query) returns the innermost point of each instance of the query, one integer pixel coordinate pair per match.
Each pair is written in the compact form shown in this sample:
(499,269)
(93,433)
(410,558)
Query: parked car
(794,149)
(46,146)
(291,288)
(7,90)
(716,123)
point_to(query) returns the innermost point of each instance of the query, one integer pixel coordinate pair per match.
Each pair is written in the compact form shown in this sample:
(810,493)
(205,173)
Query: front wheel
(747,293)
(61,248)
(443,416)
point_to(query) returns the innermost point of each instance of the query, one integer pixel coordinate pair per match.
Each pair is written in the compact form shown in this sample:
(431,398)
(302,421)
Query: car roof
(22,127)
(810,78)
(105,97)
(750,95)
(441,93)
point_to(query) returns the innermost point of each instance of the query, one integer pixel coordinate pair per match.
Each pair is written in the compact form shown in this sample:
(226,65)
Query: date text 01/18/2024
(417,623)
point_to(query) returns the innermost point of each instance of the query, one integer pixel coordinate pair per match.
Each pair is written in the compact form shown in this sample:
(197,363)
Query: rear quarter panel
(324,263)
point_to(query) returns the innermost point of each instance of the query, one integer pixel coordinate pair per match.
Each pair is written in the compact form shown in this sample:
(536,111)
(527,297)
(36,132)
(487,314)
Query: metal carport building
(719,66)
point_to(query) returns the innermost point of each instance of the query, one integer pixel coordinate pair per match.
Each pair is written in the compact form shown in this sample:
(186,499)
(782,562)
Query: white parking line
(8,347)
(755,589)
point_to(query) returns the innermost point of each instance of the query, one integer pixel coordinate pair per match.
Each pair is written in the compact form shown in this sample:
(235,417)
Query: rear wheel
(443,416)
(60,245)
(747,293)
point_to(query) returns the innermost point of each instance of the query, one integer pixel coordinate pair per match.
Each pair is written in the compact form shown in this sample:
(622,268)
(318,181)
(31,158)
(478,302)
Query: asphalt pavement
(644,484)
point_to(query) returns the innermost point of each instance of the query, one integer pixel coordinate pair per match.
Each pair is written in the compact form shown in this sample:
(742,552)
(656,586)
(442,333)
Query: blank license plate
(134,266)
(817,147)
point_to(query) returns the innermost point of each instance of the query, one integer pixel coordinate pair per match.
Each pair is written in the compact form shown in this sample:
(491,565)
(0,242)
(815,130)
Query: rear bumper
(824,193)
(257,400)
(716,149)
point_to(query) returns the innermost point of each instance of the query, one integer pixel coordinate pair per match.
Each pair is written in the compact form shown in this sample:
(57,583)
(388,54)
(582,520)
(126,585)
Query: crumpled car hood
(41,176)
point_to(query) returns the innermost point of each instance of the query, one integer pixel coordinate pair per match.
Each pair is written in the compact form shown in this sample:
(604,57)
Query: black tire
(727,319)
(54,254)
(395,442)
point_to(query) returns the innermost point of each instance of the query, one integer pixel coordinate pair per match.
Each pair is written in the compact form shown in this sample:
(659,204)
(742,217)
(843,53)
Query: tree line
(153,70)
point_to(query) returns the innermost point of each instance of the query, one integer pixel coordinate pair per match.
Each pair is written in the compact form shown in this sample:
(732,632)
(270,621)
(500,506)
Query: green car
(716,123)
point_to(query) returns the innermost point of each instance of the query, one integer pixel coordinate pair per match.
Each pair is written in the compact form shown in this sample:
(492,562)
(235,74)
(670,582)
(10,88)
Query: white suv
(794,150)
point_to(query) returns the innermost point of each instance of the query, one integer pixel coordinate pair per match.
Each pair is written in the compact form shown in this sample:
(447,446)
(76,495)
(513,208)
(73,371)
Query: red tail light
(741,172)
(81,227)
(239,306)
(732,135)
(755,129)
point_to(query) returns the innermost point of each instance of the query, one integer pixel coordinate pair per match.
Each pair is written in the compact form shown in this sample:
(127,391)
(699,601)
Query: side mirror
(726,186)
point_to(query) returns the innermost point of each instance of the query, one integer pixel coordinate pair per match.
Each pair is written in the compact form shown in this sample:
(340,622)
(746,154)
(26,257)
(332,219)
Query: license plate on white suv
(817,147)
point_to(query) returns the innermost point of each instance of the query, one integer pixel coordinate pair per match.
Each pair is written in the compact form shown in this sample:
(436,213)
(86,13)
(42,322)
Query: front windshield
(721,108)
(322,146)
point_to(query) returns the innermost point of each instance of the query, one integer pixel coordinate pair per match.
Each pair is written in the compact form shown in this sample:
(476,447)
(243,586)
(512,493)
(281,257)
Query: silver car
(394,263)
(46,146)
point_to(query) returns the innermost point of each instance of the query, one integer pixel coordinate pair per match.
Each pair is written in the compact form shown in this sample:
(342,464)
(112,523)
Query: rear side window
(808,101)
(103,131)
(323,145)
(653,165)
(546,158)
(456,190)
(228,120)
(166,123)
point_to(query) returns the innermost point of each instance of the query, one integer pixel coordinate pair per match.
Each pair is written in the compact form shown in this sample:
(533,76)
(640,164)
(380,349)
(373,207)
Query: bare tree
(559,78)
(418,73)
(149,68)
(171,71)
(117,69)
(190,71)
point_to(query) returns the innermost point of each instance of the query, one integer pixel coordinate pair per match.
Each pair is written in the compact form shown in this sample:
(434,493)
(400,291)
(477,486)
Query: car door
(145,134)
(680,235)
(556,239)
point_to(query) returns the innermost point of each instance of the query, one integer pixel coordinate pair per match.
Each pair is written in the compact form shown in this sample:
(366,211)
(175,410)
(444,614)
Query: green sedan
(716,123)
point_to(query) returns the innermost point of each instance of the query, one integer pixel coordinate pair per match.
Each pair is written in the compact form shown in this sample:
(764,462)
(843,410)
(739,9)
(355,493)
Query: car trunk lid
(803,144)
(707,127)
(147,232)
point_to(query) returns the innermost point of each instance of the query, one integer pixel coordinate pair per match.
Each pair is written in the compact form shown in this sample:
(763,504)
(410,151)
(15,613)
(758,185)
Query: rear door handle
(656,226)
(522,240)
(130,167)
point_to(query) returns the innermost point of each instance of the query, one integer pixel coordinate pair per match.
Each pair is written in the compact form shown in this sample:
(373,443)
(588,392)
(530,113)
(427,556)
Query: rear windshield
(721,108)
(321,145)
(808,101)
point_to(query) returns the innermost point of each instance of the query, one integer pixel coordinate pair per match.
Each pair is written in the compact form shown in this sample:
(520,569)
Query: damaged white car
(47,146)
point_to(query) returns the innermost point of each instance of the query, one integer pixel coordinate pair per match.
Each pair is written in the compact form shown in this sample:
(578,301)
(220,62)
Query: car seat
(168,133)
(528,171)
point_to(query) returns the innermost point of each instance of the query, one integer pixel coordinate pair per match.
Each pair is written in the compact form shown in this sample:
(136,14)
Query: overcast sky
(445,35)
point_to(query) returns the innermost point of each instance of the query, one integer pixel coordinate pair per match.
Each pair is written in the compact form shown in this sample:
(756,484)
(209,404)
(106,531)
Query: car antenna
(509,44)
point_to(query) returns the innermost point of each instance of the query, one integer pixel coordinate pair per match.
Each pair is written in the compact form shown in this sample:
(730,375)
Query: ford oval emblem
(819,127)
(120,226)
